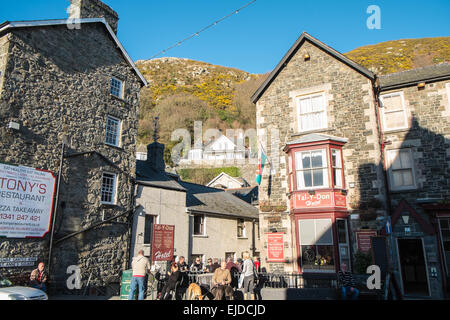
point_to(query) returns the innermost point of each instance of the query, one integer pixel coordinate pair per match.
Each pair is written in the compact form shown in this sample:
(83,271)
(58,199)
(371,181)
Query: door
(413,267)
(344,250)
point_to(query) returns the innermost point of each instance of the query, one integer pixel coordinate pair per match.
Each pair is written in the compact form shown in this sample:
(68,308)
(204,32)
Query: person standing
(210,266)
(258,264)
(249,273)
(184,270)
(38,278)
(141,267)
(216,264)
(347,283)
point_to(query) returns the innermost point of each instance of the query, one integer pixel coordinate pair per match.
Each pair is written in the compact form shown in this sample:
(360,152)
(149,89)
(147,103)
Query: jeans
(139,282)
(344,293)
(39,286)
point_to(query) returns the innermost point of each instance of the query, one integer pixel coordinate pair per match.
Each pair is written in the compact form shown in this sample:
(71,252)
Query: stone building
(209,222)
(349,151)
(72,81)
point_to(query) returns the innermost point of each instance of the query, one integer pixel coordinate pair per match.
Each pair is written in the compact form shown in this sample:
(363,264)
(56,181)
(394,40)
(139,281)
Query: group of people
(224,274)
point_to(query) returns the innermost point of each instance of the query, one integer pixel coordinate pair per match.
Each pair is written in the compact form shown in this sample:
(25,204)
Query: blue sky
(257,38)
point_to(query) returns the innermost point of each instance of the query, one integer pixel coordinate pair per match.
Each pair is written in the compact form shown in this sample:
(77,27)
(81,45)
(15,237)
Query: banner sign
(320,199)
(363,239)
(163,242)
(275,247)
(17,262)
(26,201)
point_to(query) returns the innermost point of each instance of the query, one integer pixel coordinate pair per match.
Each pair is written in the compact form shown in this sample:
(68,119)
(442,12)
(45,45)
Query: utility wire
(202,30)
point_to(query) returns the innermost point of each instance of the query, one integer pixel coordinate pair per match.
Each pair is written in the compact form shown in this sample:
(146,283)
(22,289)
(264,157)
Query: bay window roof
(316,137)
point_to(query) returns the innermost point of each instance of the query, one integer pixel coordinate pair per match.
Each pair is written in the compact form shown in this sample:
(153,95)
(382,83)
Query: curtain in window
(312,113)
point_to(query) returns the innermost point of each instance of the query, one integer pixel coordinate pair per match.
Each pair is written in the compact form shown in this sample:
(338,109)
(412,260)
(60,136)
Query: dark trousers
(167,288)
(249,284)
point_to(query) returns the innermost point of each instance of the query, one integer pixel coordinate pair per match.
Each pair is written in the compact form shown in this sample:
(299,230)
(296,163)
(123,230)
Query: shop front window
(317,247)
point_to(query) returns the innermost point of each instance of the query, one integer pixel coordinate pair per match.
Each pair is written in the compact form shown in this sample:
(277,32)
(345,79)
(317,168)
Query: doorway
(413,267)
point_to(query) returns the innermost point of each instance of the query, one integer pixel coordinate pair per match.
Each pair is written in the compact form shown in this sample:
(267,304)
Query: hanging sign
(163,242)
(26,201)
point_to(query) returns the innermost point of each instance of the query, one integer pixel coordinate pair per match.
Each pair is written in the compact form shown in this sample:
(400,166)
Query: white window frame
(114,188)
(391,154)
(341,168)
(118,132)
(204,226)
(383,113)
(325,107)
(325,169)
(111,87)
(244,230)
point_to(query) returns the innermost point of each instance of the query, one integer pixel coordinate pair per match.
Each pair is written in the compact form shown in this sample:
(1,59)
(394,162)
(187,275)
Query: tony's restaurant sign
(320,199)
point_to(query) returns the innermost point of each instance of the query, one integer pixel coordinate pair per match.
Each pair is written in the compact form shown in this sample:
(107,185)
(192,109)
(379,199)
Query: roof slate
(216,201)
(415,76)
(146,175)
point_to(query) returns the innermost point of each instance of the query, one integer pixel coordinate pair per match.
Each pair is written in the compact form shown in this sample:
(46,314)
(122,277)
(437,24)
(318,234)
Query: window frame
(122,86)
(244,229)
(114,188)
(118,133)
(383,113)
(446,263)
(333,244)
(299,114)
(325,160)
(447,87)
(341,168)
(203,234)
(391,173)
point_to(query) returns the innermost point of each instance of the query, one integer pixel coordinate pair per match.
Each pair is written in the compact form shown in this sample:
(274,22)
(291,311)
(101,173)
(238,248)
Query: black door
(413,267)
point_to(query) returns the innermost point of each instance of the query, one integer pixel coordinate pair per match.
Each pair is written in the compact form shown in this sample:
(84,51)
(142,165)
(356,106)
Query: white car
(10,292)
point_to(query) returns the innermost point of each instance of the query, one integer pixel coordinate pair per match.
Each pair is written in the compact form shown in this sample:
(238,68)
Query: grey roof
(148,176)
(248,194)
(413,77)
(204,199)
(316,137)
(8,25)
(293,50)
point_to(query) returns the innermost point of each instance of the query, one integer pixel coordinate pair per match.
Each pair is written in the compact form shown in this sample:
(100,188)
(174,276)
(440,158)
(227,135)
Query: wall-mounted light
(405,218)
(421,85)
(307,56)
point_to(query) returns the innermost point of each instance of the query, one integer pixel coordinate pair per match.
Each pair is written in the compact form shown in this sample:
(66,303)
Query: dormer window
(117,88)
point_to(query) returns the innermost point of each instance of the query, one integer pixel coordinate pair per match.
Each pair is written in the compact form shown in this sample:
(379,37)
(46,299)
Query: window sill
(115,147)
(396,130)
(301,133)
(242,238)
(118,98)
(200,236)
(402,190)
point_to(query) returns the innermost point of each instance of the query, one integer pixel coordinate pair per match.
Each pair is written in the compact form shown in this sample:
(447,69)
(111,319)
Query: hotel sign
(163,242)
(275,247)
(320,199)
(26,201)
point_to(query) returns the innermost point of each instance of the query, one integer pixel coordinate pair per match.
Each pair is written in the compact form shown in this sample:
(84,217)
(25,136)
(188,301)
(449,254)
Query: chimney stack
(155,156)
(81,9)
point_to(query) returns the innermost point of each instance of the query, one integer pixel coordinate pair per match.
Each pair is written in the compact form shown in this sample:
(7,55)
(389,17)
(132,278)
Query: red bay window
(318,202)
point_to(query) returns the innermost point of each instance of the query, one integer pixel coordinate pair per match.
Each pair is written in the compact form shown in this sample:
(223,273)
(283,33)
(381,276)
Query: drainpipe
(376,90)
(253,238)
(55,209)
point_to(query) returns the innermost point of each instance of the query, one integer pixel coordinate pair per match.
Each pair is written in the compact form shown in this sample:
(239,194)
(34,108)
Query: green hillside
(399,55)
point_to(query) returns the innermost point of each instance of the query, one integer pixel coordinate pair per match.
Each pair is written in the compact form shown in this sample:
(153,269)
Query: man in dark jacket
(38,278)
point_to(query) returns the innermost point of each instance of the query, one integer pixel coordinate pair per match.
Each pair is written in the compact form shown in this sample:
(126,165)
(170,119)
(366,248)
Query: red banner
(163,242)
(275,247)
(363,239)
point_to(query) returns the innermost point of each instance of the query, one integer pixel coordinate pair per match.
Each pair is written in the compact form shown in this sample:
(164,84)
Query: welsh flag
(262,163)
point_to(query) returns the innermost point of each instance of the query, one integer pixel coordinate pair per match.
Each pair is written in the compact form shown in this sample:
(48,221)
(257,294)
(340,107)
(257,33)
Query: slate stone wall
(57,86)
